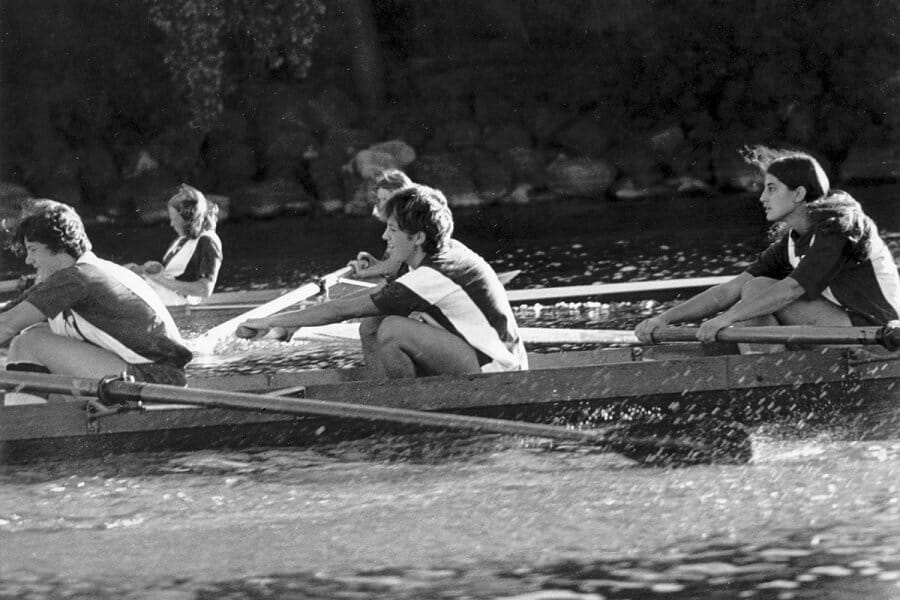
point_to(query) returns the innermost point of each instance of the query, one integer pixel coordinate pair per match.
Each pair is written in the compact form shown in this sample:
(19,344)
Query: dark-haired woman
(829,267)
(190,267)
(85,316)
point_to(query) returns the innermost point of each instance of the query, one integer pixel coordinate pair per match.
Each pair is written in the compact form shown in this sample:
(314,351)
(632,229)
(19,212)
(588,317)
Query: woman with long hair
(827,267)
(190,267)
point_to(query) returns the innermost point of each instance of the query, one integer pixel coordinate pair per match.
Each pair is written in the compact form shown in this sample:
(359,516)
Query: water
(815,514)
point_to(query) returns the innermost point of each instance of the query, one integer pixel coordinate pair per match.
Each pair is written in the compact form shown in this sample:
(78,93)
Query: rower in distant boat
(85,316)
(383,186)
(190,267)
(447,315)
(829,267)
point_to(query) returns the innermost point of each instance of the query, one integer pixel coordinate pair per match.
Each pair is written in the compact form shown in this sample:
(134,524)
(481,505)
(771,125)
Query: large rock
(581,177)
(393,154)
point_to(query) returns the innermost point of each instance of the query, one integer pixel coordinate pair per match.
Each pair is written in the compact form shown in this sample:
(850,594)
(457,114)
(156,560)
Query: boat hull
(657,392)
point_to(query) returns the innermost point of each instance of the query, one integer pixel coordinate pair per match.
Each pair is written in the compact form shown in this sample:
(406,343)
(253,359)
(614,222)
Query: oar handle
(887,336)
(270,308)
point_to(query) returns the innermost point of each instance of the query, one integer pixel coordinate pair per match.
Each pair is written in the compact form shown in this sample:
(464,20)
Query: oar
(349,332)
(887,336)
(614,289)
(115,391)
(208,340)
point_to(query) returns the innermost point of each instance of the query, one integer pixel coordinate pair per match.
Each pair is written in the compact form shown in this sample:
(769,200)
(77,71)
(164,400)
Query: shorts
(158,373)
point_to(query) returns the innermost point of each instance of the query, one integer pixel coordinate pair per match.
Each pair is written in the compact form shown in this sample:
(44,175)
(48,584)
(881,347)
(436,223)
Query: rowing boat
(680,387)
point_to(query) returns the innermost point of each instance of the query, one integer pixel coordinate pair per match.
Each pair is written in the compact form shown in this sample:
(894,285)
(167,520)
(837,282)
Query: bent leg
(407,347)
(819,312)
(368,332)
(63,355)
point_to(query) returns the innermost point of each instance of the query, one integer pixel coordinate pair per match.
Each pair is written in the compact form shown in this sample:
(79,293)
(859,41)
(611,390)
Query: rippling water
(815,514)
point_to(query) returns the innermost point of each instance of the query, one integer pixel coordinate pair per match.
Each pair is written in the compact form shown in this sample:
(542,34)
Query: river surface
(815,514)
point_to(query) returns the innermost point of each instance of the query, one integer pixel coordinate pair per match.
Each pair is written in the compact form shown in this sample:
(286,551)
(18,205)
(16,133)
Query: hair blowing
(839,212)
(792,168)
(421,208)
(195,210)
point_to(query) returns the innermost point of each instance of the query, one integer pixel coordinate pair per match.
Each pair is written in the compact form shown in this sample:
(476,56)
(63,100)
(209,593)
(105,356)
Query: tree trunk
(365,53)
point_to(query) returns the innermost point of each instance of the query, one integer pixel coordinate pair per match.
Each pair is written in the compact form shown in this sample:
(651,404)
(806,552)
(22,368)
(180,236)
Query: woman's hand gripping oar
(207,342)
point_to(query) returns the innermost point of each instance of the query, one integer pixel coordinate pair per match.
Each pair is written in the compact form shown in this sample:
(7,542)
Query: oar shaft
(269,308)
(150,393)
(119,390)
(783,334)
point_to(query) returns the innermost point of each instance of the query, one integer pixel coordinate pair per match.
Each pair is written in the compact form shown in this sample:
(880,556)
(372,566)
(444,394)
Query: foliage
(277,34)
(756,66)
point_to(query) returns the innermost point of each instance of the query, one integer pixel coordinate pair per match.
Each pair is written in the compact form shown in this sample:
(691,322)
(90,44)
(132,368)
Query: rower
(190,267)
(389,267)
(828,267)
(85,316)
(383,186)
(447,315)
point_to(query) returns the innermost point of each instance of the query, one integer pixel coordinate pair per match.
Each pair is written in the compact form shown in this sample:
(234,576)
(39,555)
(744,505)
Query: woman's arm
(366,266)
(708,302)
(333,311)
(781,294)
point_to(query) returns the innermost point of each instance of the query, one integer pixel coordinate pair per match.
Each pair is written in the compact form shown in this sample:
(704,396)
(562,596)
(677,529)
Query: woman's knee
(369,326)
(390,330)
(29,341)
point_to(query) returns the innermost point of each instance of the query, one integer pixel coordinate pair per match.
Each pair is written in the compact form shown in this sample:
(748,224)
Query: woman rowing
(86,316)
(448,314)
(828,267)
(190,267)
(381,188)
